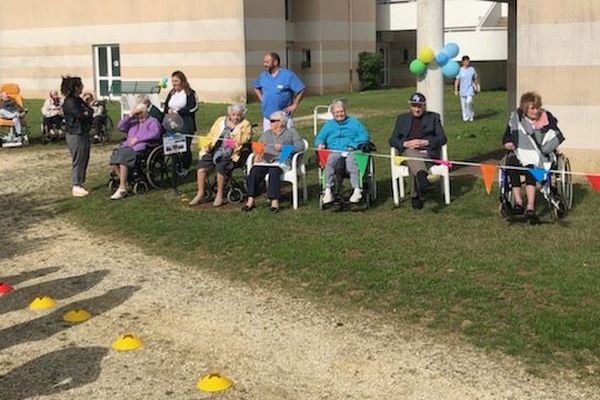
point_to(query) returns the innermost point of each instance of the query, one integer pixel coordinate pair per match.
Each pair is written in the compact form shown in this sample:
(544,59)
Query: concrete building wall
(559,57)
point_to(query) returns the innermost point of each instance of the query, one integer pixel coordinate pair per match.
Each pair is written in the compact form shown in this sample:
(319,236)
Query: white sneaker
(327,196)
(356,196)
(78,191)
(119,194)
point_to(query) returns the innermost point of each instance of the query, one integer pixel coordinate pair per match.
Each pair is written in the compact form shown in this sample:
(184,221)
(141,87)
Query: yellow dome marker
(77,315)
(127,342)
(42,302)
(214,383)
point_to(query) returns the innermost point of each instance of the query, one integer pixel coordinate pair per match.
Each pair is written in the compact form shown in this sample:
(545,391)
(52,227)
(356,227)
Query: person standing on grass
(78,123)
(466,84)
(277,88)
(418,134)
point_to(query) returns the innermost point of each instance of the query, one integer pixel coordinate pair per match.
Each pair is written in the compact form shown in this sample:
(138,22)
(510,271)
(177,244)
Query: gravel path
(193,322)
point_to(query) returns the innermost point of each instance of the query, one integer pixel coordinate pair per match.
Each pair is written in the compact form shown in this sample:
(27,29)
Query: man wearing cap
(418,134)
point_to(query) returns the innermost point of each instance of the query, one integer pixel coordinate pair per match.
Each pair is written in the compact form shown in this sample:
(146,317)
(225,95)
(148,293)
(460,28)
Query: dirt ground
(192,322)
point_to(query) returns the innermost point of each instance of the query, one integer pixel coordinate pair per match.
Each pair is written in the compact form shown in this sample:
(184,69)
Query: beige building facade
(218,44)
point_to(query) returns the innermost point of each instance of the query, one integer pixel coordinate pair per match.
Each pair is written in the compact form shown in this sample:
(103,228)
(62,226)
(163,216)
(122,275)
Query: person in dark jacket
(78,123)
(418,134)
(182,100)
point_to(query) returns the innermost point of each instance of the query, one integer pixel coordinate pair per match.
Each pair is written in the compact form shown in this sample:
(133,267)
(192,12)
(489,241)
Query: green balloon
(417,67)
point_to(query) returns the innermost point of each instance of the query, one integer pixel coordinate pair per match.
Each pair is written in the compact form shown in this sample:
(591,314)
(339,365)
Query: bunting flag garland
(286,150)
(361,159)
(445,163)
(258,148)
(489,173)
(594,181)
(203,141)
(323,156)
(399,159)
(230,143)
(538,173)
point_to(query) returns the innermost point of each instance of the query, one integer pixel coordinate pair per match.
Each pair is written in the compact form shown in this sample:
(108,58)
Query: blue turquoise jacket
(340,135)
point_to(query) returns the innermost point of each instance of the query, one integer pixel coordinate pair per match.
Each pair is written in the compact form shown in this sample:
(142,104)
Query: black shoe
(518,210)
(423,182)
(247,208)
(530,215)
(417,203)
(274,210)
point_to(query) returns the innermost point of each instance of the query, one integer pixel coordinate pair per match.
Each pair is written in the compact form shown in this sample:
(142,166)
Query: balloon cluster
(163,82)
(444,59)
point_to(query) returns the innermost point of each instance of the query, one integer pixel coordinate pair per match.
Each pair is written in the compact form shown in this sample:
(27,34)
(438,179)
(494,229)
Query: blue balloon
(451,49)
(441,58)
(451,69)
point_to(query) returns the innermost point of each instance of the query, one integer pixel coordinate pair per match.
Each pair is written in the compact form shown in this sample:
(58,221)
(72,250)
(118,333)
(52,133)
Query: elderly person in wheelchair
(53,114)
(141,129)
(228,135)
(342,134)
(531,137)
(10,109)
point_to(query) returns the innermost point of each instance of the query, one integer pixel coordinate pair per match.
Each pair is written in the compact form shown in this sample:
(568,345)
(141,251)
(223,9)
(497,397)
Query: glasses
(416,105)
(274,120)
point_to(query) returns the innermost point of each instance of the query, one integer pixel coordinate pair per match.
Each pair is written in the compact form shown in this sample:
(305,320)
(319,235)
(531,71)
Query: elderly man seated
(418,134)
(341,134)
(141,128)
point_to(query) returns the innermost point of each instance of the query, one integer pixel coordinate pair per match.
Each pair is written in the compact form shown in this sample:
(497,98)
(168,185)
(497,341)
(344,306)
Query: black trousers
(257,176)
(514,175)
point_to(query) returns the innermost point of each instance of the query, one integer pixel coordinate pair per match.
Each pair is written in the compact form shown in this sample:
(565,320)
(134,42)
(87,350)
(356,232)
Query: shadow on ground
(53,373)
(28,275)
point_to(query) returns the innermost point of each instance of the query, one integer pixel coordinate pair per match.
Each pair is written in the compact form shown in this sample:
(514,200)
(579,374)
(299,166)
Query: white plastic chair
(297,170)
(399,172)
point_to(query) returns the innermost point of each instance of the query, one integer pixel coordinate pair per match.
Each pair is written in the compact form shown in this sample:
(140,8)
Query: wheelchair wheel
(113,184)
(563,181)
(108,128)
(158,169)
(235,195)
(140,187)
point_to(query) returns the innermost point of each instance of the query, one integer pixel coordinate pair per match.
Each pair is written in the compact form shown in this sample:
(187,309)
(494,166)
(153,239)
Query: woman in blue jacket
(341,134)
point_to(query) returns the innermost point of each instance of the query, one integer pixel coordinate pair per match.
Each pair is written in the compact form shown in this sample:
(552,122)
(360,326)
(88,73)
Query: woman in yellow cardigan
(227,136)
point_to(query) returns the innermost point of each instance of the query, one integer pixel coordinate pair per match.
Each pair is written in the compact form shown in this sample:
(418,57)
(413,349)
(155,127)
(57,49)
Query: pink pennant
(230,143)
(594,181)
(445,163)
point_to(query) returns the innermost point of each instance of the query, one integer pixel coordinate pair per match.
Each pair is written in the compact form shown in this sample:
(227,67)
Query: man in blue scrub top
(278,89)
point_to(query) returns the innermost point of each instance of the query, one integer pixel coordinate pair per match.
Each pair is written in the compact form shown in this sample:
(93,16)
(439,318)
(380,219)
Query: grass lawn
(529,291)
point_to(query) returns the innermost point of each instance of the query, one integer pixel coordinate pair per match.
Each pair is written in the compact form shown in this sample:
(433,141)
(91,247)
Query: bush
(369,70)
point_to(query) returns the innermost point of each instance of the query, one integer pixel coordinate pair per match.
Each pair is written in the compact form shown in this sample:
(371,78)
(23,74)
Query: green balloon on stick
(417,67)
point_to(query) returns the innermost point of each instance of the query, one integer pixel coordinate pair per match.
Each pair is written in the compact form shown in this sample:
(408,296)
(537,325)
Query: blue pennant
(286,150)
(538,173)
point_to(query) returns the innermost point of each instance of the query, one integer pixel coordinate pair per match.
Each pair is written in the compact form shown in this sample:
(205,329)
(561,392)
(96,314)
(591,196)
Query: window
(306,58)
(107,63)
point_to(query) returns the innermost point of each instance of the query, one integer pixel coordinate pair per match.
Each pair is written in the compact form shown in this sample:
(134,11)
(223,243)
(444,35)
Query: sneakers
(199,198)
(356,196)
(78,191)
(218,202)
(327,196)
(119,194)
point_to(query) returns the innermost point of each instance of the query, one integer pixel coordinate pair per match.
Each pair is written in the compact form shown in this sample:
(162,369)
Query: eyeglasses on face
(274,120)
(416,105)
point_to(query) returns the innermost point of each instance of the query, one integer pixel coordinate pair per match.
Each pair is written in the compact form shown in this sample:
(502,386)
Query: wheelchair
(8,136)
(235,188)
(52,131)
(140,177)
(102,124)
(556,188)
(368,183)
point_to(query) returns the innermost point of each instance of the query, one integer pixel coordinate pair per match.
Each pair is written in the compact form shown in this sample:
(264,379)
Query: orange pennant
(594,181)
(258,147)
(489,172)
(323,155)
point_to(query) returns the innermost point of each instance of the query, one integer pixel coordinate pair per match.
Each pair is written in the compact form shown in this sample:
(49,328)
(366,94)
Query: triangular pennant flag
(361,159)
(489,172)
(230,143)
(258,148)
(538,173)
(594,181)
(286,150)
(399,159)
(323,156)
(203,141)
(445,163)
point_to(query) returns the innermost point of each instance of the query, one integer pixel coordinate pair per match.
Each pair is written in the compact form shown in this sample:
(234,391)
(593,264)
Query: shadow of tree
(52,373)
(58,289)
(27,275)
(50,324)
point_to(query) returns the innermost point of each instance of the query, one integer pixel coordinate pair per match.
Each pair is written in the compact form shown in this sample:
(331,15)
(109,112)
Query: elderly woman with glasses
(268,161)
(227,137)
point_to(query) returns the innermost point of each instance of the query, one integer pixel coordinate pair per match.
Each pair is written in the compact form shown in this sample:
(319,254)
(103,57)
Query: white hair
(338,103)
(239,107)
(280,115)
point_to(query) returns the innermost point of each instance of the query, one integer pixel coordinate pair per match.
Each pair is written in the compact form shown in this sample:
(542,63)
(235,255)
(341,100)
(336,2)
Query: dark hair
(275,57)
(465,58)
(184,82)
(70,85)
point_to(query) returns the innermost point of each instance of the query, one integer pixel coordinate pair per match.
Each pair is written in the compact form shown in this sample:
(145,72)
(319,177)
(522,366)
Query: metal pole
(430,33)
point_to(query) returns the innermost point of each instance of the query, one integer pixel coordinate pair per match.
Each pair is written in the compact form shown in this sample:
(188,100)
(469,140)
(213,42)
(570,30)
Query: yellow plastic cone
(42,302)
(214,383)
(77,315)
(127,342)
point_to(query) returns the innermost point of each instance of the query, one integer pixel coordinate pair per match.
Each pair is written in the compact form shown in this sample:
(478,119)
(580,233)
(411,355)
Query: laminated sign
(173,144)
